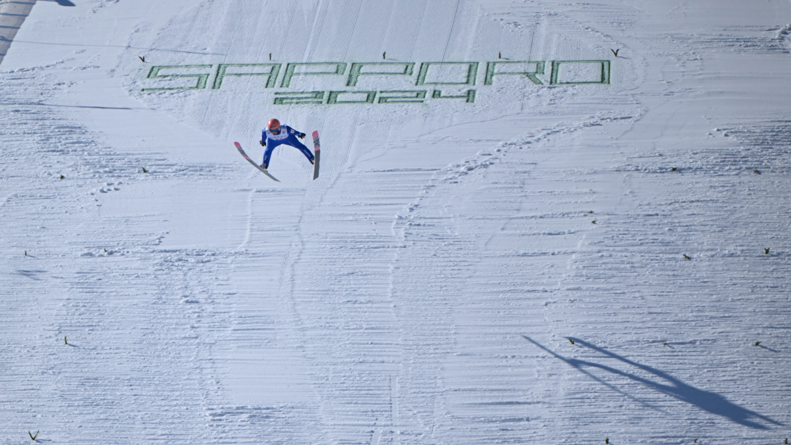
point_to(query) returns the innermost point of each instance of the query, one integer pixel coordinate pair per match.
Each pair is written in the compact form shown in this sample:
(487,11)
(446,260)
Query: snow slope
(598,251)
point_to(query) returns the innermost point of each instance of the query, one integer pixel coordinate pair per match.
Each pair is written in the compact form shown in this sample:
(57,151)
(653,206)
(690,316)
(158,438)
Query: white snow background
(549,264)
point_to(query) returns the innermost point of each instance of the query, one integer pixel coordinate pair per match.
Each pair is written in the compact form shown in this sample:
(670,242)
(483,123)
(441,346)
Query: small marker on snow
(142,58)
(766,251)
(758,343)
(65,341)
(384,54)
(686,257)
(500,55)
(615,51)
(33,436)
(570,340)
(270,56)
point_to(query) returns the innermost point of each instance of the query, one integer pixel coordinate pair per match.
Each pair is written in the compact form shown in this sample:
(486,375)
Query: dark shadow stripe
(12,22)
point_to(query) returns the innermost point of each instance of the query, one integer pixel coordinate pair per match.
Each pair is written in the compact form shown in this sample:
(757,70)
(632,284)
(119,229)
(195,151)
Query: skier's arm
(295,132)
(263,139)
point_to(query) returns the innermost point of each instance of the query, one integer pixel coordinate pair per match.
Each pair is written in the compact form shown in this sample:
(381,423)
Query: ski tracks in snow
(497,290)
(577,281)
(94,319)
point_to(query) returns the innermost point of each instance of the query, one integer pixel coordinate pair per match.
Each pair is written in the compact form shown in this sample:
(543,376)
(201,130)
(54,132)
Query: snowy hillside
(537,222)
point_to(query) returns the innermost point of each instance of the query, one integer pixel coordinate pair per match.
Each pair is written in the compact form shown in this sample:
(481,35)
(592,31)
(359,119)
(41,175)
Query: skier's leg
(305,150)
(270,147)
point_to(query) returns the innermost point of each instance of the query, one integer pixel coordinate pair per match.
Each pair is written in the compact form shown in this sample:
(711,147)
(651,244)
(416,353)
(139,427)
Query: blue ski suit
(286,136)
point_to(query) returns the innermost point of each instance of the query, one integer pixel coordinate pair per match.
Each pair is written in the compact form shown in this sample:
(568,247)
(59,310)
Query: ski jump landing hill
(537,222)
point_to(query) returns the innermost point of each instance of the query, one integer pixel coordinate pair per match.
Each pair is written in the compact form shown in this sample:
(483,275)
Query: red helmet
(273,123)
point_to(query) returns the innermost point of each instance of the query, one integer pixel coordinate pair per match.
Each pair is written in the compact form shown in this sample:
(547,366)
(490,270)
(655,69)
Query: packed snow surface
(537,222)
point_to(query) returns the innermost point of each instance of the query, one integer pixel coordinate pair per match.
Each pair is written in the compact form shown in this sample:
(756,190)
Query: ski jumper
(286,136)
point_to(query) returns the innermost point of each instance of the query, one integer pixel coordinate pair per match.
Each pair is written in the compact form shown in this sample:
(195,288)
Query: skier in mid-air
(275,135)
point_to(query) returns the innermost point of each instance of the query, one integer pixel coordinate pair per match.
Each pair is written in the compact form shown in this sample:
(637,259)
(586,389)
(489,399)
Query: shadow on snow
(705,400)
(62,2)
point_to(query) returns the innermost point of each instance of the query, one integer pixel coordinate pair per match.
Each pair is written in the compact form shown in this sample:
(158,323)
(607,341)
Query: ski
(316,153)
(263,170)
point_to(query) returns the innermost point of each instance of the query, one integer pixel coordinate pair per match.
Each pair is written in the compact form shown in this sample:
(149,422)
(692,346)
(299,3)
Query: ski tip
(238,145)
(316,142)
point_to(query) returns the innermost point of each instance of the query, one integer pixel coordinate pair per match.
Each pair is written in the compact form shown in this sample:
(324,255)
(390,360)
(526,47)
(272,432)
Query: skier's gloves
(302,136)
(263,144)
